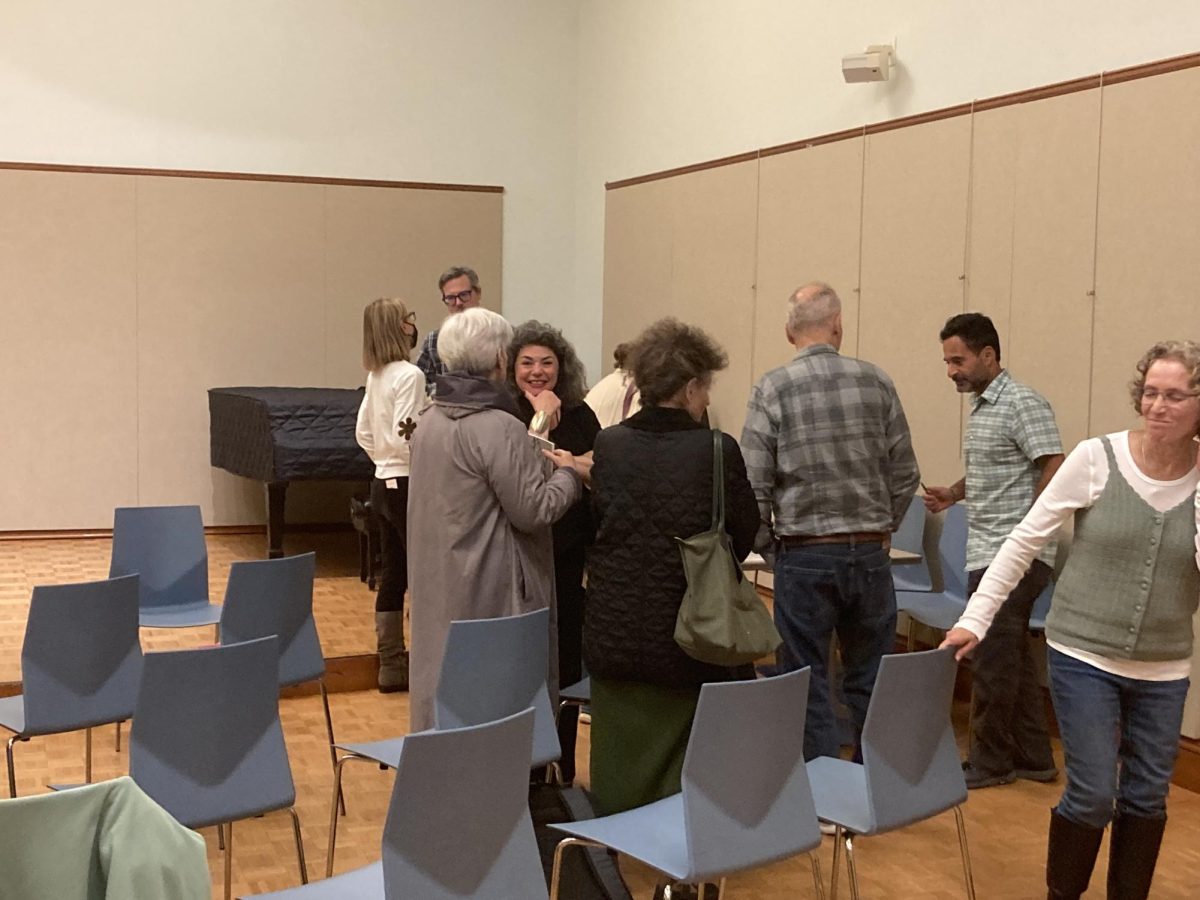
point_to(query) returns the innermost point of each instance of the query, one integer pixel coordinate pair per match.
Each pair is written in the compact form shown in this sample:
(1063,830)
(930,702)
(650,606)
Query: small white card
(390,484)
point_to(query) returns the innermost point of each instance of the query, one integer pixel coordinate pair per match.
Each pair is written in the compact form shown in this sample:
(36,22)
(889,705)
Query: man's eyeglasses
(1170,398)
(458,299)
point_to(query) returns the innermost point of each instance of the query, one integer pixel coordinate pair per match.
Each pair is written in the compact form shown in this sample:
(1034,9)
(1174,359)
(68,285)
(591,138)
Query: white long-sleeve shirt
(388,417)
(1077,485)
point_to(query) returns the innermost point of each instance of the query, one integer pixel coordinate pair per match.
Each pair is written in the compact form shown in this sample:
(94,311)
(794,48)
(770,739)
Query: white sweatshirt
(388,417)
(1077,485)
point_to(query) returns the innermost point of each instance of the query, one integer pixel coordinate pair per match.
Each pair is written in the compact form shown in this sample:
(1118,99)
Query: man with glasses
(1011,450)
(460,290)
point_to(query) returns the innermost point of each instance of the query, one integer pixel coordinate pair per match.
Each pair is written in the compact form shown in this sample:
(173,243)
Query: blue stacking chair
(746,799)
(458,824)
(910,536)
(206,742)
(941,609)
(80,663)
(164,545)
(491,668)
(274,596)
(910,769)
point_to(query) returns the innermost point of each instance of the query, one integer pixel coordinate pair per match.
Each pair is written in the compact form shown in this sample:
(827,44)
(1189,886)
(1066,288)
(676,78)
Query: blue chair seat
(187,615)
(840,790)
(654,833)
(579,692)
(356,884)
(385,752)
(12,713)
(937,610)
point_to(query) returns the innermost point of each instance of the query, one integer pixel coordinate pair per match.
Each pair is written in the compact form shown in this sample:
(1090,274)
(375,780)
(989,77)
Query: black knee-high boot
(1132,852)
(1070,857)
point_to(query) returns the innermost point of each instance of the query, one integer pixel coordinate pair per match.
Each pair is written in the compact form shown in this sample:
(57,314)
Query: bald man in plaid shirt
(1011,450)
(830,458)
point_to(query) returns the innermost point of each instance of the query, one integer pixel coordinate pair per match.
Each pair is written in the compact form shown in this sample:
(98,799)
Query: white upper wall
(550,98)
(673,82)
(462,91)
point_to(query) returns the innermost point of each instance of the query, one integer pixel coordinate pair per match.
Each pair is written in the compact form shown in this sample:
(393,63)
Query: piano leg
(276,496)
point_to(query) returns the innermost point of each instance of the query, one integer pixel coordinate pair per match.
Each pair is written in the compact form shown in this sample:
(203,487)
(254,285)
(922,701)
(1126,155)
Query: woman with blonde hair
(386,422)
(1119,632)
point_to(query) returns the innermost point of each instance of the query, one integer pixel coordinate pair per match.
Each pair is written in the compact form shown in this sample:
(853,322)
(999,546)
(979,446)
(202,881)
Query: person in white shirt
(386,422)
(615,397)
(1119,630)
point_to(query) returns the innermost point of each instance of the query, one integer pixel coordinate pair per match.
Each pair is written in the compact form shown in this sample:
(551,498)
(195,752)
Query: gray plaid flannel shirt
(429,362)
(1011,426)
(827,448)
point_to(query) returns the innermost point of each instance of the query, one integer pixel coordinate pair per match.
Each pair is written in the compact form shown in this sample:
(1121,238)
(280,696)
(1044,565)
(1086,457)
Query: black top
(651,483)
(576,433)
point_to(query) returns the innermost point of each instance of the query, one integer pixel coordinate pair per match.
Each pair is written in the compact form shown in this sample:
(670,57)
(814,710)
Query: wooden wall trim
(1086,83)
(252,176)
(75,534)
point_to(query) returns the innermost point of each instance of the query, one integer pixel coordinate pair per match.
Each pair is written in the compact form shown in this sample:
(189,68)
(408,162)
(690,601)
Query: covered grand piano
(278,435)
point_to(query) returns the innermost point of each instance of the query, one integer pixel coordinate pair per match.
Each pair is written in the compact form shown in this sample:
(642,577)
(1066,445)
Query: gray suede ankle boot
(393,658)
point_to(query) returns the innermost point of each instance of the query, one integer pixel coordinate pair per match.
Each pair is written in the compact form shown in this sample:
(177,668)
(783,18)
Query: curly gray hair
(1185,352)
(572,385)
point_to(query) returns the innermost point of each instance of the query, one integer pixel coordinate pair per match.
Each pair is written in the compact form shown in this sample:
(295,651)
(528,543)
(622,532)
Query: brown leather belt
(851,538)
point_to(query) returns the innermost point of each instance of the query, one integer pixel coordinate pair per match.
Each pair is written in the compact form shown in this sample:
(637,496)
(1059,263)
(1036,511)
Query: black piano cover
(287,434)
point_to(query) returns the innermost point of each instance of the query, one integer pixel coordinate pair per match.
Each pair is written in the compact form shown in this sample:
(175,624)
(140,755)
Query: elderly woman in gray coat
(482,499)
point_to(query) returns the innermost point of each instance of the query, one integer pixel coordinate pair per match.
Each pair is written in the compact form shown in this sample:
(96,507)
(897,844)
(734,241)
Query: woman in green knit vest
(1119,632)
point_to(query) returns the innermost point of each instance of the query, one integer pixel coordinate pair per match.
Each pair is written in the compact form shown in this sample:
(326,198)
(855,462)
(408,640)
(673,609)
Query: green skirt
(639,736)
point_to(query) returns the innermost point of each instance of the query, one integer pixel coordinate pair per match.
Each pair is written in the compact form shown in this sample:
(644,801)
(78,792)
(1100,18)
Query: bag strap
(718,504)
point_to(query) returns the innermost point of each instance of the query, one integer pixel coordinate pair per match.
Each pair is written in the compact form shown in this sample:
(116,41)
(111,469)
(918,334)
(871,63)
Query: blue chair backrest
(164,545)
(912,765)
(493,668)
(274,596)
(910,536)
(206,741)
(746,796)
(1041,608)
(81,661)
(459,824)
(952,552)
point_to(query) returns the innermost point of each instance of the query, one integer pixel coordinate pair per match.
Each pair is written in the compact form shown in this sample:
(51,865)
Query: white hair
(473,341)
(814,310)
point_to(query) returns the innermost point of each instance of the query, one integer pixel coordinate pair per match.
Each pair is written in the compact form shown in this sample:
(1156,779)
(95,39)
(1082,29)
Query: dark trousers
(391,508)
(821,589)
(1008,717)
(568,586)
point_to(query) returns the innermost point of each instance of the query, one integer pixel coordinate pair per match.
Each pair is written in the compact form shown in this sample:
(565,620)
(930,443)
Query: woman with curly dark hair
(652,483)
(548,379)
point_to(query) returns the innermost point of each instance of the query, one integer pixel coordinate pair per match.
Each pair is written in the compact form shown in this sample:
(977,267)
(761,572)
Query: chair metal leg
(556,871)
(818,884)
(850,869)
(911,640)
(229,864)
(329,731)
(12,774)
(720,889)
(333,807)
(966,853)
(87,755)
(299,844)
(837,855)
(220,836)
(118,737)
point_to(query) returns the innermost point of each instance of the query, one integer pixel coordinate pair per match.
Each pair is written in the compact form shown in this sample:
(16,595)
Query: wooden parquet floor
(1006,826)
(343,606)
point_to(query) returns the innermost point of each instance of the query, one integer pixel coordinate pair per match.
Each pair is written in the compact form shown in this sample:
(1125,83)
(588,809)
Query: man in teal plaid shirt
(1011,450)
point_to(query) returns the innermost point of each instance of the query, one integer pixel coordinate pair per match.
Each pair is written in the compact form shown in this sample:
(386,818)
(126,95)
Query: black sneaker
(978,778)
(1042,776)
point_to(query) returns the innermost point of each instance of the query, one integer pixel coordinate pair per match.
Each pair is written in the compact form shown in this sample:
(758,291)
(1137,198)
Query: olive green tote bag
(721,620)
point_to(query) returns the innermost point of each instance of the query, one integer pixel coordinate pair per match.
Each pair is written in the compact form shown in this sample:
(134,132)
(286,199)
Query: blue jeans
(1120,738)
(821,589)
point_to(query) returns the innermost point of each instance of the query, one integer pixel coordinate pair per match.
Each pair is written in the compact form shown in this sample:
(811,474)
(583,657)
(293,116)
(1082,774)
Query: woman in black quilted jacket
(651,483)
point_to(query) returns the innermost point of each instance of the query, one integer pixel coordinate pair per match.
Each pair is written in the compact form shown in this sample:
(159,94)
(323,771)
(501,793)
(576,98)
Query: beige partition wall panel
(395,243)
(637,261)
(1148,234)
(1049,342)
(913,245)
(809,225)
(994,135)
(712,273)
(231,284)
(68,363)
